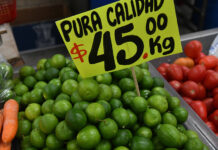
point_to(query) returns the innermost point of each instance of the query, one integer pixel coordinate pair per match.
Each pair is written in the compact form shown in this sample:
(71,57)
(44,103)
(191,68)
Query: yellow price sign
(121,35)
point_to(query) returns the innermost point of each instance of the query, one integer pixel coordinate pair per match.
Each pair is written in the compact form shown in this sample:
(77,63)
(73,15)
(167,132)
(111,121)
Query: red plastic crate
(7,11)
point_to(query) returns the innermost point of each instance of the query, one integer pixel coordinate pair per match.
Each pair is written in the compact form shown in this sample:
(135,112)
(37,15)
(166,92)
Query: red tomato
(211,126)
(215,101)
(187,100)
(175,84)
(190,89)
(209,103)
(197,73)
(193,49)
(162,71)
(216,134)
(211,80)
(165,65)
(174,72)
(201,55)
(185,71)
(210,62)
(215,91)
(202,92)
(200,108)
(214,117)
(216,69)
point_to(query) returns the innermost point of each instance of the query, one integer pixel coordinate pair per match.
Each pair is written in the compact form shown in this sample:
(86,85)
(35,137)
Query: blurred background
(34,25)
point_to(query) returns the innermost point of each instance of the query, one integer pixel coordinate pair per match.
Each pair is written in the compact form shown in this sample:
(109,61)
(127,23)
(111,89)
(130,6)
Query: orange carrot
(10,125)
(5,146)
(1,120)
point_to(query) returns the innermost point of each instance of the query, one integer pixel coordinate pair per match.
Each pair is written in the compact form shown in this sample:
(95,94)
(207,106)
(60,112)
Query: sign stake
(135,81)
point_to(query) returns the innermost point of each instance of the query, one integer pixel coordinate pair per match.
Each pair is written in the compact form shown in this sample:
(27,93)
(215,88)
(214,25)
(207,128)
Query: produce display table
(193,123)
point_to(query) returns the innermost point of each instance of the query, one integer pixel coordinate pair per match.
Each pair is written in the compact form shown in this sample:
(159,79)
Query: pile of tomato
(195,77)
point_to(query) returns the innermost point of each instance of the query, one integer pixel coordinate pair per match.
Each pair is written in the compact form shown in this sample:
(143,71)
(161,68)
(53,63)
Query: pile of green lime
(62,110)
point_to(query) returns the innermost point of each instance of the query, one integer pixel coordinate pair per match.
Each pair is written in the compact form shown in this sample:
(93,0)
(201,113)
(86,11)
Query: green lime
(18,99)
(122,138)
(121,116)
(160,91)
(158,82)
(169,135)
(32,111)
(144,132)
(53,143)
(16,81)
(205,147)
(146,72)
(58,61)
(63,70)
(36,96)
(41,63)
(158,102)
(121,148)
(56,82)
(75,97)
(141,143)
(181,114)
(144,66)
(75,119)
(170,149)
(95,112)
(69,86)
(50,91)
(47,64)
(63,132)
(47,106)
(104,78)
(157,144)
(24,128)
(139,104)
(194,144)
(82,105)
(105,92)
(169,118)
(48,123)
(103,145)
(72,145)
(128,97)
(35,124)
(152,117)
(88,89)
(116,91)
(138,73)
(191,134)
(69,75)
(26,98)
(183,138)
(60,108)
(126,84)
(25,142)
(121,74)
(29,81)
(20,89)
(108,128)
(181,128)
(132,119)
(51,73)
(106,106)
(136,127)
(37,138)
(26,71)
(89,137)
(173,102)
(21,115)
(145,93)
(115,103)
(72,65)
(40,85)
(79,78)
(147,82)
(62,96)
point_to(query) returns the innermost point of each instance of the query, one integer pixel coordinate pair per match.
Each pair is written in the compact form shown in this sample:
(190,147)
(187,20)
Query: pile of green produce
(61,110)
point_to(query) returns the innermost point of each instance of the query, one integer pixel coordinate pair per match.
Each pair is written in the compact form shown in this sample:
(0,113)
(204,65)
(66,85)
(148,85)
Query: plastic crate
(7,11)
